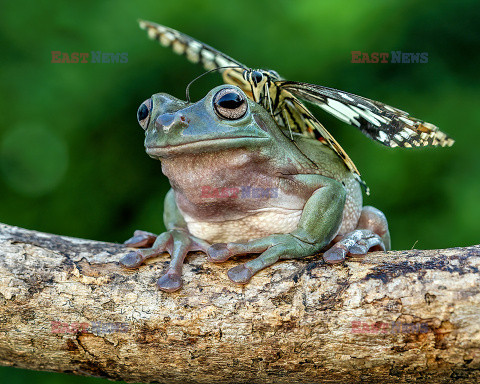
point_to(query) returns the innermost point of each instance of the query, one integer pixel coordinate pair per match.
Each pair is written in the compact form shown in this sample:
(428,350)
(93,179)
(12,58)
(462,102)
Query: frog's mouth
(207,145)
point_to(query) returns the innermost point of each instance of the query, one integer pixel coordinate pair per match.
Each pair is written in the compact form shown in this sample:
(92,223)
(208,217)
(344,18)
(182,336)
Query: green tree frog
(240,185)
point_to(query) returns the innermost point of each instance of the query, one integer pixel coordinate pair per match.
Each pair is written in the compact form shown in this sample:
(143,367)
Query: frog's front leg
(319,223)
(371,233)
(177,241)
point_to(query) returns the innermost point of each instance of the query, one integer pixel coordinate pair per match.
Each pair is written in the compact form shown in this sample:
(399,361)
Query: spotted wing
(198,53)
(388,125)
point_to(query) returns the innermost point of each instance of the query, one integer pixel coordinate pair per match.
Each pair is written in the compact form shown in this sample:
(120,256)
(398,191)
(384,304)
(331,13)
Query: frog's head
(225,118)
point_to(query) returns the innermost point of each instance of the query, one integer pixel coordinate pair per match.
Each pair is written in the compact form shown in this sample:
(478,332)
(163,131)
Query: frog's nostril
(169,120)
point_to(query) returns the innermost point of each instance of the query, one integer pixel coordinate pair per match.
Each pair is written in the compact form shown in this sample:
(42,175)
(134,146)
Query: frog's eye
(143,113)
(229,104)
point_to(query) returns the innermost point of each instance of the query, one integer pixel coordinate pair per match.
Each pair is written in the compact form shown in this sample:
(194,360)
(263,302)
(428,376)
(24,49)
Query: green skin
(312,202)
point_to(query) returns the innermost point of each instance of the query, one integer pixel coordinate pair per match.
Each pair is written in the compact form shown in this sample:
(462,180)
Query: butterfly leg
(371,234)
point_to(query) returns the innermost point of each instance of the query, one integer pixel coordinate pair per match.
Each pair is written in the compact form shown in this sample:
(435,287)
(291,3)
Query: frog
(242,186)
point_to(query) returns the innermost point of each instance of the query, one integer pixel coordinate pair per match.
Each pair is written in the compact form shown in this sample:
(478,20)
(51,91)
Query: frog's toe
(335,255)
(141,239)
(359,248)
(240,274)
(374,220)
(132,260)
(218,253)
(362,247)
(169,282)
(135,258)
(356,243)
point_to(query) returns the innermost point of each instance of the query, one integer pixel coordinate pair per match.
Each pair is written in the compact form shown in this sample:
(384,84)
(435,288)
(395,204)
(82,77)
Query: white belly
(259,224)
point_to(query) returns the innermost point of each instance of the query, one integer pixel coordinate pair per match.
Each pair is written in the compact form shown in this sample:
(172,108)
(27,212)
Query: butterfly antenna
(187,90)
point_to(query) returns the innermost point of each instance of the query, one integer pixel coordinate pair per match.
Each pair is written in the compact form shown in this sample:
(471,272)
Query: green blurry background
(71,152)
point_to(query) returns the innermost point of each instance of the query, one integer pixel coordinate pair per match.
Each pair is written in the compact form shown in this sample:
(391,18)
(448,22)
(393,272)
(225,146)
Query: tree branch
(67,306)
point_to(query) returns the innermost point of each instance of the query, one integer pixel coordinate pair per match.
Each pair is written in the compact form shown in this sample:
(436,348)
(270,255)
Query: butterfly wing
(198,53)
(388,125)
(314,125)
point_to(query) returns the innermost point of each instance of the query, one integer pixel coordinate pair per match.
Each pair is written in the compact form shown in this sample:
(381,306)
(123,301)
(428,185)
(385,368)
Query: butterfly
(390,126)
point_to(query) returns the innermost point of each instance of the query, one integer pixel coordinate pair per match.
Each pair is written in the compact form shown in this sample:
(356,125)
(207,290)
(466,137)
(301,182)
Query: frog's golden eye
(143,113)
(229,104)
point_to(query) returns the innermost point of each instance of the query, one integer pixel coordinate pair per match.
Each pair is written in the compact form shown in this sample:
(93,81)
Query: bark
(67,306)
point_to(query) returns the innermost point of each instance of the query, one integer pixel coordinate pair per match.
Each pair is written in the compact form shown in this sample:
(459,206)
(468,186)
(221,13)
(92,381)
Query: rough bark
(67,306)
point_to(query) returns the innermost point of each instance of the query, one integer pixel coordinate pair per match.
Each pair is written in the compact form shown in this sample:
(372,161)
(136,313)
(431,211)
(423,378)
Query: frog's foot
(177,242)
(356,243)
(272,249)
(371,234)
(141,239)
